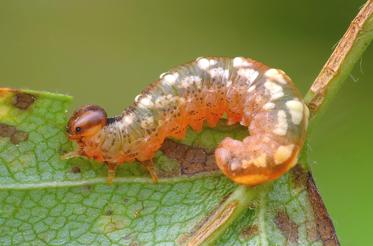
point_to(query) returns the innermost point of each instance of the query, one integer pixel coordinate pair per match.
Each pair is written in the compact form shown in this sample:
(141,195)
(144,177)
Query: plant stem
(226,213)
(340,63)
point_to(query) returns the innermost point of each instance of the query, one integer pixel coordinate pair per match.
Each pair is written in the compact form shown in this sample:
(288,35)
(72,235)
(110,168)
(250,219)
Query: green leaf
(48,201)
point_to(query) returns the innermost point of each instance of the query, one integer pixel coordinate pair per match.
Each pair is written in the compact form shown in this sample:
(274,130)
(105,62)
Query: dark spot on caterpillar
(75,169)
(23,100)
(324,227)
(249,232)
(111,120)
(16,136)
(287,227)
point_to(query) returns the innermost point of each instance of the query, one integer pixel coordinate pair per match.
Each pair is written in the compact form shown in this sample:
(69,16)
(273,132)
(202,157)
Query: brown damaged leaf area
(192,160)
(324,225)
(23,100)
(324,229)
(20,99)
(249,232)
(16,136)
(75,169)
(287,227)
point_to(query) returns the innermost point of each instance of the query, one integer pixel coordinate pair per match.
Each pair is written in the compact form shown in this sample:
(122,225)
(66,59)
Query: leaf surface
(48,201)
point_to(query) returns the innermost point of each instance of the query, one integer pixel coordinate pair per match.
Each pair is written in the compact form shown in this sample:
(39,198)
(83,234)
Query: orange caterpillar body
(248,92)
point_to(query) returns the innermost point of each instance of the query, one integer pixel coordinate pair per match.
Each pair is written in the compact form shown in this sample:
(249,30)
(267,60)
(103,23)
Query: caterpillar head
(86,122)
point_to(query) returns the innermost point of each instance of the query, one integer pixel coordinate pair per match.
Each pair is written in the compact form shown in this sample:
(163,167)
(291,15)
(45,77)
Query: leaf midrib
(103,180)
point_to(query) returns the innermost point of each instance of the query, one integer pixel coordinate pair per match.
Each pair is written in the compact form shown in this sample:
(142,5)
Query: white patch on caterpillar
(251,88)
(249,73)
(147,122)
(259,99)
(235,164)
(223,154)
(170,78)
(137,97)
(189,81)
(185,84)
(260,161)
(274,89)
(281,127)
(180,100)
(296,110)
(276,74)
(212,62)
(198,83)
(163,101)
(204,63)
(218,71)
(146,102)
(283,153)
(240,62)
(162,75)
(128,119)
(269,106)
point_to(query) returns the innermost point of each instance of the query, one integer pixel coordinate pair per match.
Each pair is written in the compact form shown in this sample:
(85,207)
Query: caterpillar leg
(111,172)
(149,165)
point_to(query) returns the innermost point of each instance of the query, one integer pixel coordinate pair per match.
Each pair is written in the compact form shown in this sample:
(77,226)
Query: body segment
(248,92)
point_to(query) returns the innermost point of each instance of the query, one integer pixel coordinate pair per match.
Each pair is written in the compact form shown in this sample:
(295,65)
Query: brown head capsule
(86,122)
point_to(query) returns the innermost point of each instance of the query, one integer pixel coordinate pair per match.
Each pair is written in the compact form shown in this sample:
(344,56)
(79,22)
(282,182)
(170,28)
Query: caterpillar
(243,90)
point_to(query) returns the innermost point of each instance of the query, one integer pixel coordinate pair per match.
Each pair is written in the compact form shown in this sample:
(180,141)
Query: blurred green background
(105,52)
